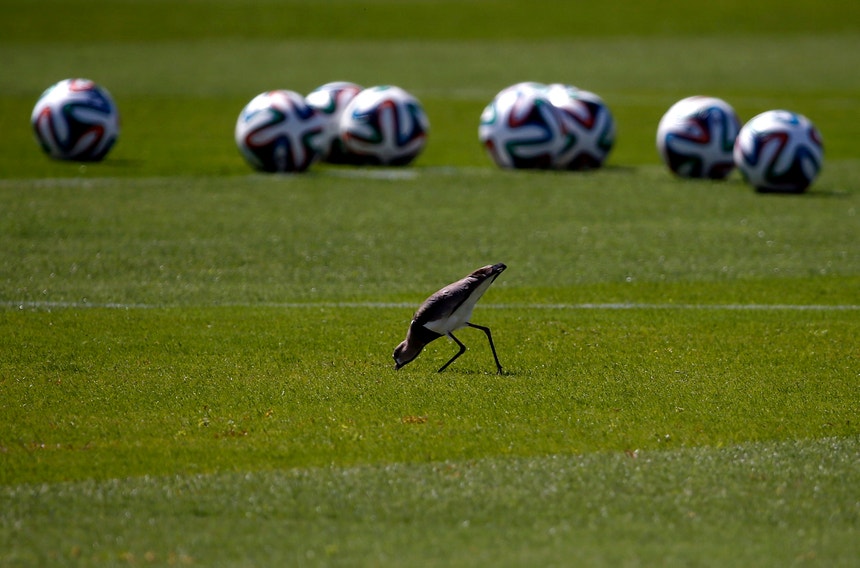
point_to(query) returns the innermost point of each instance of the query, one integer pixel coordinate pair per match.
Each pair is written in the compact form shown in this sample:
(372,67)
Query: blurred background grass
(180,72)
(347,235)
(154,20)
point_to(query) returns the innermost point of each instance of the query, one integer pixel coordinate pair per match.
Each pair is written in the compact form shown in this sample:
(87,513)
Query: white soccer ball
(330,100)
(277,132)
(696,136)
(76,119)
(779,151)
(520,128)
(587,128)
(384,125)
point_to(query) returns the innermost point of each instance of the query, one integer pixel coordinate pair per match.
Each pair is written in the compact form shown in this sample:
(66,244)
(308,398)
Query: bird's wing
(445,302)
(448,300)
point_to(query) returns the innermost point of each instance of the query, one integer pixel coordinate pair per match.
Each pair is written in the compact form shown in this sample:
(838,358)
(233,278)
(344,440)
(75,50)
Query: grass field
(195,360)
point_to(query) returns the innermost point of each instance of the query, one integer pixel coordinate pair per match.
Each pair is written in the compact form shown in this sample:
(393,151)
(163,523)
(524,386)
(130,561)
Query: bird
(446,311)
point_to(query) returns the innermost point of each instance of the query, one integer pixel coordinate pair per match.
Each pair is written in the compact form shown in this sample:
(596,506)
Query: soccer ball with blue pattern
(696,136)
(76,119)
(330,100)
(384,125)
(587,128)
(520,128)
(779,151)
(278,132)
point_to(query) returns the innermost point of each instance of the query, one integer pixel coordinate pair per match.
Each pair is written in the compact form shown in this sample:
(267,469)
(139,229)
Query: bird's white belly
(453,322)
(461,316)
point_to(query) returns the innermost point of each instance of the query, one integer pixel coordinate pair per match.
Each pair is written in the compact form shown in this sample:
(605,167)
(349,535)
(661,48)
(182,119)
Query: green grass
(619,235)
(115,393)
(446,20)
(178,116)
(773,504)
(195,360)
(228,357)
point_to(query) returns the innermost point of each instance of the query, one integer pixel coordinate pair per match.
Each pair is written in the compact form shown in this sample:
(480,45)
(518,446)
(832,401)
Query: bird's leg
(493,347)
(460,352)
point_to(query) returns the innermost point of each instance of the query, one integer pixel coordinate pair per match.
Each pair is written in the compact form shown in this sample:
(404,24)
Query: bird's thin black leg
(460,352)
(493,347)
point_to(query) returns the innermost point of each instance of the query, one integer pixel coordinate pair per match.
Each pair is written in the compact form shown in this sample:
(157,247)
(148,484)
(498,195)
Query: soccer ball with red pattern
(76,119)
(587,128)
(696,136)
(330,100)
(384,125)
(520,128)
(278,132)
(779,151)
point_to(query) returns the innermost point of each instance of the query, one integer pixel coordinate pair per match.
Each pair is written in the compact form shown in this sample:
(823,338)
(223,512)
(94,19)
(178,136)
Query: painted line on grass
(31,305)
(652,306)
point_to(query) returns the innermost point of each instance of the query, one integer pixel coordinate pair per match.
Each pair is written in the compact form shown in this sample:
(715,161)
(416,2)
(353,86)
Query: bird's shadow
(475,372)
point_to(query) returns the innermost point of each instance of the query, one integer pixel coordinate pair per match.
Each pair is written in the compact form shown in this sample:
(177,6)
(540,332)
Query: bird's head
(405,353)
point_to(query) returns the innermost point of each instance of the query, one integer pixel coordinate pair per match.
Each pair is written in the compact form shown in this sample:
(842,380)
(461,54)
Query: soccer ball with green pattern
(587,128)
(779,151)
(695,137)
(520,128)
(76,119)
(278,132)
(330,100)
(384,125)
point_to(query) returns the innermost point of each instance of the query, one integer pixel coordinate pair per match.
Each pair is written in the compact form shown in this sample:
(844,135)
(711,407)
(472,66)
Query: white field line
(380,173)
(30,305)
(377,173)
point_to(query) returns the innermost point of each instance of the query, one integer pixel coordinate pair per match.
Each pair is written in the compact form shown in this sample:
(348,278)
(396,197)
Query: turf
(255,238)
(110,393)
(196,359)
(772,504)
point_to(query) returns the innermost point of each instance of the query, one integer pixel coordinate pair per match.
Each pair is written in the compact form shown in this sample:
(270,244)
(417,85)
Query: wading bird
(446,311)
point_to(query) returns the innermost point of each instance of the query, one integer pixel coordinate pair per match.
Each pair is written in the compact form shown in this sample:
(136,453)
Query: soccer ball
(587,128)
(384,125)
(779,151)
(330,100)
(76,119)
(277,132)
(696,136)
(520,128)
